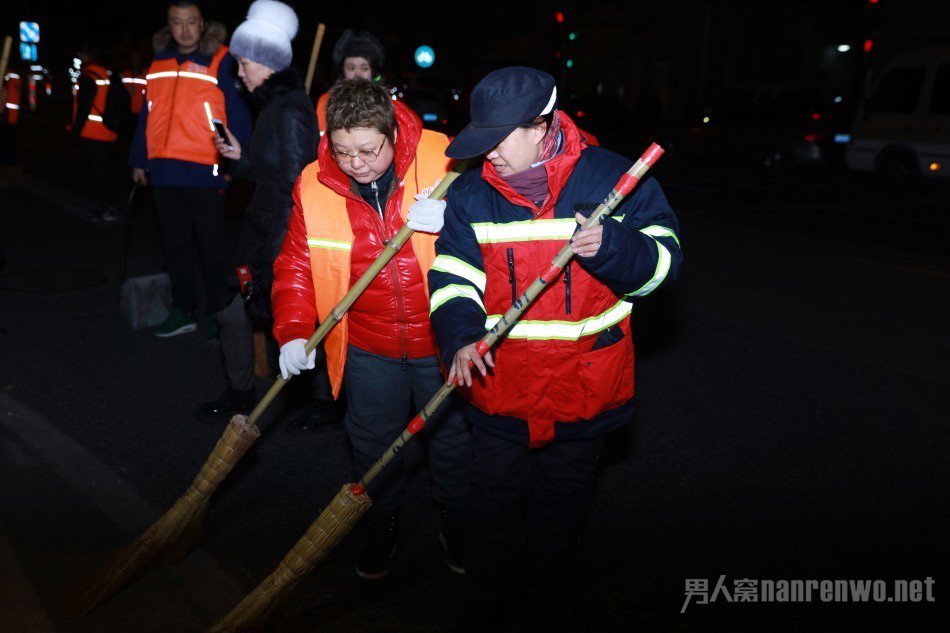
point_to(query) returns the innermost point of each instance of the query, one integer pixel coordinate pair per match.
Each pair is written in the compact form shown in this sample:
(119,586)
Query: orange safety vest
(330,237)
(12,82)
(94,129)
(135,85)
(322,112)
(178,121)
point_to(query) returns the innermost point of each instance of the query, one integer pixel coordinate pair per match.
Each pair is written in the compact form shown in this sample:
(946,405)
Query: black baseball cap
(503,100)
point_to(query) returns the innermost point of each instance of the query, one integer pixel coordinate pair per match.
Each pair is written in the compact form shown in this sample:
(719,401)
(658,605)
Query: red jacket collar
(409,131)
(559,170)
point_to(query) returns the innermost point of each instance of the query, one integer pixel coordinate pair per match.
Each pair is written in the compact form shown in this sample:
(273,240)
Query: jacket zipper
(511,275)
(393,271)
(567,288)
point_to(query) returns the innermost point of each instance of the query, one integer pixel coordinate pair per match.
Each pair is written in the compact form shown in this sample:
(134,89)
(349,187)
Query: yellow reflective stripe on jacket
(453,291)
(662,268)
(565,330)
(524,231)
(656,230)
(335,245)
(459,268)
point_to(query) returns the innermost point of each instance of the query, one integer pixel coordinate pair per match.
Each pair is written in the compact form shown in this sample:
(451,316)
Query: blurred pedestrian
(90,127)
(356,55)
(10,97)
(541,403)
(284,141)
(191,81)
(373,171)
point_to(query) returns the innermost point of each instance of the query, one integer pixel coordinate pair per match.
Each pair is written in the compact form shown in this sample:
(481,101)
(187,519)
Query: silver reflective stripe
(455,266)
(201,76)
(162,75)
(565,330)
(334,245)
(524,231)
(102,82)
(13,106)
(95,117)
(656,230)
(453,291)
(662,268)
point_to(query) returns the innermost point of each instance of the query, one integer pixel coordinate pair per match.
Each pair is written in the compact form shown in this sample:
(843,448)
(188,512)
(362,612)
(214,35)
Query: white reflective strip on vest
(13,106)
(564,330)
(102,82)
(455,266)
(137,80)
(11,76)
(662,268)
(524,231)
(95,117)
(203,77)
(453,291)
(162,75)
(660,231)
(335,245)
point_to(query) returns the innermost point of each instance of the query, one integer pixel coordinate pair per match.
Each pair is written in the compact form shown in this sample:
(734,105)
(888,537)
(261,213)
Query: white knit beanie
(265,36)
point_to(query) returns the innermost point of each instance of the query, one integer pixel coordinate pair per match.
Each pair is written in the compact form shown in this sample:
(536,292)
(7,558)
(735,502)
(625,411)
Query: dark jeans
(379,392)
(101,158)
(529,507)
(187,214)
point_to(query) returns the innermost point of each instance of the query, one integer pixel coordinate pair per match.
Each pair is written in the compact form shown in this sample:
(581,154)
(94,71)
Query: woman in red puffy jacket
(374,163)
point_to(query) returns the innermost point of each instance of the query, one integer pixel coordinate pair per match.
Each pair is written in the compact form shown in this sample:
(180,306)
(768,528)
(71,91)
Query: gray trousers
(380,394)
(237,347)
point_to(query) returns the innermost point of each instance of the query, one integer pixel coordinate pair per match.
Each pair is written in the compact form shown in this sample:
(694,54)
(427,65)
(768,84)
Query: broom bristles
(176,532)
(335,522)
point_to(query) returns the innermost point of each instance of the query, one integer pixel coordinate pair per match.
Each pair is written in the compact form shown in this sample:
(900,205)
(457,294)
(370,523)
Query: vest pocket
(606,374)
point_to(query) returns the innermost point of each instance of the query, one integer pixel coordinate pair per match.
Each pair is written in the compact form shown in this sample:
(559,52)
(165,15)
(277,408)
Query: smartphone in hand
(219,129)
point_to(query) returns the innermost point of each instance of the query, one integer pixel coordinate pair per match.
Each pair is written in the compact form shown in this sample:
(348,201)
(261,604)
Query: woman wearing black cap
(563,376)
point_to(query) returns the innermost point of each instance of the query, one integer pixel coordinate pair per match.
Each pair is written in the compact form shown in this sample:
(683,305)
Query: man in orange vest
(191,81)
(374,169)
(97,141)
(356,55)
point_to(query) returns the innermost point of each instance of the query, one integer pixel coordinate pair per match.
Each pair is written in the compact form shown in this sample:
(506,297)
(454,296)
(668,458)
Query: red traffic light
(868,45)
(559,17)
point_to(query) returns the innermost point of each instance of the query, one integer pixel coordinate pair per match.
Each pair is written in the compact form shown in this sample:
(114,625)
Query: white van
(902,130)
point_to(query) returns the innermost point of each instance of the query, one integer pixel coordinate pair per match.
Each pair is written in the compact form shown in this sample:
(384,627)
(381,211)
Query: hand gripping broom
(349,505)
(177,531)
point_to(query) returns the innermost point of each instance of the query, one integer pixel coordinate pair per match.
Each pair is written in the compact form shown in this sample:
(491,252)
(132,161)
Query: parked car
(776,127)
(902,129)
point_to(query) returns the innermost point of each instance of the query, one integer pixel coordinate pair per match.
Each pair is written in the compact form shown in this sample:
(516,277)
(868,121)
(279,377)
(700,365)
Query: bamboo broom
(181,526)
(349,505)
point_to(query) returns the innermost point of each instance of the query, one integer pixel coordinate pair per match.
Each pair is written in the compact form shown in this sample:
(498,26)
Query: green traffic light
(570,63)
(572,36)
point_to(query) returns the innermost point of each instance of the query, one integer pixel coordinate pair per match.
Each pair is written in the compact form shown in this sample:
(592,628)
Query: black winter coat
(284,141)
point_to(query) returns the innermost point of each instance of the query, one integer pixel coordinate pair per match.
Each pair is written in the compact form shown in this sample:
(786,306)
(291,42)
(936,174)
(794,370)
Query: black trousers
(525,508)
(188,215)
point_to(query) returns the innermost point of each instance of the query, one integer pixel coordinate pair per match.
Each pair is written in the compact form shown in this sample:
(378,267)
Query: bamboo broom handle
(336,315)
(5,59)
(624,186)
(317,40)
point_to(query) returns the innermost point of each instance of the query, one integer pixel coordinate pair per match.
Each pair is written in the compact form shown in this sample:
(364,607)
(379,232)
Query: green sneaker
(213,335)
(178,322)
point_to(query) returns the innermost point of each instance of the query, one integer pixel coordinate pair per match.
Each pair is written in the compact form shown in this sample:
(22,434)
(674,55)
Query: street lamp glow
(844,48)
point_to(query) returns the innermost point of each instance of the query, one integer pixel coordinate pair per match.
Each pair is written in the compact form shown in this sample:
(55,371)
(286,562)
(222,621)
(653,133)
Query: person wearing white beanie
(284,141)
(264,37)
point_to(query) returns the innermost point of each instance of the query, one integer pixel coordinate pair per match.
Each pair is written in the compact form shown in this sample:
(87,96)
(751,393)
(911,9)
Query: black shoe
(452,538)
(321,415)
(378,548)
(228,404)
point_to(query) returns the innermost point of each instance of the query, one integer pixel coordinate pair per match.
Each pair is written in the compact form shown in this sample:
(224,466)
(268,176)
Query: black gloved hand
(257,301)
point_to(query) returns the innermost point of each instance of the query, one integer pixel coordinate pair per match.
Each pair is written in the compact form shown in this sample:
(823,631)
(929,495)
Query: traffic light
(559,17)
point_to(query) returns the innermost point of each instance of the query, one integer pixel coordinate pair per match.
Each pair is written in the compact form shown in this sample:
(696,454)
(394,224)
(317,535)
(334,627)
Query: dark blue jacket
(632,252)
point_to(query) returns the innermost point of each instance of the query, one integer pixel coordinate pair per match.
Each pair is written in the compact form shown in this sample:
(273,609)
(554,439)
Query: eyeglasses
(366,155)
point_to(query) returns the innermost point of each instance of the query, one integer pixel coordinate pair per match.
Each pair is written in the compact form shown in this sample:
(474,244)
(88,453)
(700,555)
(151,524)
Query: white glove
(294,358)
(426,214)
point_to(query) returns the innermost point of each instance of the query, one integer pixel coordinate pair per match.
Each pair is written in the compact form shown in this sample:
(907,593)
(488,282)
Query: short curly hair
(360,103)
